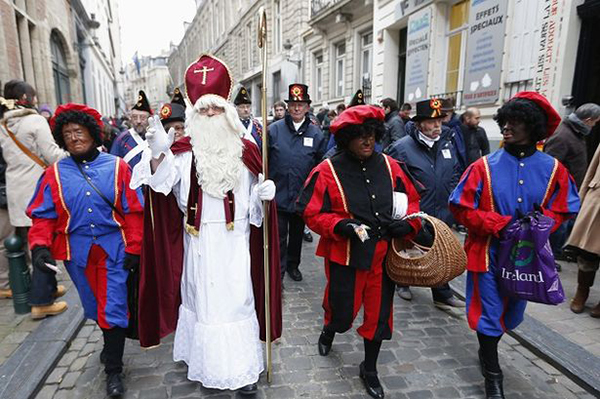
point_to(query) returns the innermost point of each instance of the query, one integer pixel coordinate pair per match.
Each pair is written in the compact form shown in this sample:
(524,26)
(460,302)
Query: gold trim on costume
(114,215)
(550,183)
(341,190)
(493,208)
(64,205)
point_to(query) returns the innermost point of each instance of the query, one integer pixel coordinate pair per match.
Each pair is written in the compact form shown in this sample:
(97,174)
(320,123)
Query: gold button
(368,181)
(373,196)
(376,213)
(519,199)
(88,193)
(521,164)
(520,181)
(522,154)
(364,169)
(90,210)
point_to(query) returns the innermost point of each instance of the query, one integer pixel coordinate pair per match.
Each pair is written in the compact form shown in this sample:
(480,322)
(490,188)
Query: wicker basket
(410,264)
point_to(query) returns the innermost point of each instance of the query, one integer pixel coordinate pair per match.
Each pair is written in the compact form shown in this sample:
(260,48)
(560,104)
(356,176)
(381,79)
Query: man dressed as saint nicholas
(202,258)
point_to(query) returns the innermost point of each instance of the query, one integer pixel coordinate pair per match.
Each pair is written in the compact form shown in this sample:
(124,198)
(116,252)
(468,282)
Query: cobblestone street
(432,355)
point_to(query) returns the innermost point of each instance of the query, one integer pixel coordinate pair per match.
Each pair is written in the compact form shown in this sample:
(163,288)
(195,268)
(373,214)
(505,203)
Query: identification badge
(446,153)
(308,141)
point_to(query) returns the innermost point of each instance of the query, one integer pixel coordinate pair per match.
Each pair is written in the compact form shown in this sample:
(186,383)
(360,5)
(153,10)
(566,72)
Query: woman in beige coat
(19,117)
(585,236)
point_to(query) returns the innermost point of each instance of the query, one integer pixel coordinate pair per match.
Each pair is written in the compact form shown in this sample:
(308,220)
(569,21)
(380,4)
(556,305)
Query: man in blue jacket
(295,147)
(430,155)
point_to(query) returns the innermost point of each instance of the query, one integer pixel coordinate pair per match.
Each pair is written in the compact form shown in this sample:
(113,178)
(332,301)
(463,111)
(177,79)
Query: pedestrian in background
(568,145)
(430,156)
(130,144)
(46,112)
(28,147)
(475,137)
(492,192)
(404,113)
(243,106)
(85,214)
(296,145)
(357,187)
(452,122)
(585,238)
(393,123)
(279,110)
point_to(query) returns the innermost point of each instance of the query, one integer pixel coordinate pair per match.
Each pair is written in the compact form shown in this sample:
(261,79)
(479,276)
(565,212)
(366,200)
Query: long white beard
(218,151)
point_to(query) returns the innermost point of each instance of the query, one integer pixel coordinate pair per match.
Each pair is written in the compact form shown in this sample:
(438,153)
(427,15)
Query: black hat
(177,97)
(447,104)
(242,97)
(142,103)
(429,109)
(172,112)
(298,93)
(358,99)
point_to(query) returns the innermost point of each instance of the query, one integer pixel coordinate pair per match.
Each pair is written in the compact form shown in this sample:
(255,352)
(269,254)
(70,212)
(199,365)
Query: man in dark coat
(476,141)
(452,122)
(296,145)
(430,155)
(393,123)
(568,145)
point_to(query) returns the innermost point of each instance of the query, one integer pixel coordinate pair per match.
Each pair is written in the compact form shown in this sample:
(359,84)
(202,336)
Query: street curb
(24,372)
(579,365)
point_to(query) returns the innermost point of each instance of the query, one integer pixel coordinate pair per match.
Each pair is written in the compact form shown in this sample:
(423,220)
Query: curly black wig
(81,118)
(345,135)
(520,110)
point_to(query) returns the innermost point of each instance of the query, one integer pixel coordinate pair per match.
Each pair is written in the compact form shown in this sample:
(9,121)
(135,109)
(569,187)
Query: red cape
(162,261)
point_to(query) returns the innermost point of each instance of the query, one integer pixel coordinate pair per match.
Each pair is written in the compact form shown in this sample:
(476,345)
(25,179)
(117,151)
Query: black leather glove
(399,228)
(131,262)
(538,208)
(344,228)
(40,256)
(425,236)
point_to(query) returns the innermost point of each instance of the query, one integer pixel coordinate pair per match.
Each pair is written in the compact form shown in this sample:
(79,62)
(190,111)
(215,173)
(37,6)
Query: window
(340,56)
(366,59)
(318,75)
(277,34)
(276,86)
(458,25)
(249,45)
(60,72)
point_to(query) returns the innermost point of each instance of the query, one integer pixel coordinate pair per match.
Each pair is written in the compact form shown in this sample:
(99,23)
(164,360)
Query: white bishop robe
(217,331)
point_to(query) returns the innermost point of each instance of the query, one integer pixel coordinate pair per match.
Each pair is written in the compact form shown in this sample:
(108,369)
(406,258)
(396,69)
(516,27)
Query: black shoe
(371,382)
(493,381)
(248,390)
(325,342)
(307,237)
(295,274)
(114,385)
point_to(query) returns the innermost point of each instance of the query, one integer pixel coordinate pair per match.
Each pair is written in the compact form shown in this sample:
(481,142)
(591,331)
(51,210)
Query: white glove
(158,140)
(265,189)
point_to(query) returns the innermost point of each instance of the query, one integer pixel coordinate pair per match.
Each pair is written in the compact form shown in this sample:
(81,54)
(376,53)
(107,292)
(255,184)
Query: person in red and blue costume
(85,214)
(492,192)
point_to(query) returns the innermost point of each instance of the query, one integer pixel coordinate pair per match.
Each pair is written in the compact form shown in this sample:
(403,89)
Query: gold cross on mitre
(204,71)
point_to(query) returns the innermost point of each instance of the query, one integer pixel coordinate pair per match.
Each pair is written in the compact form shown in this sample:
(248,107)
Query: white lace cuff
(256,207)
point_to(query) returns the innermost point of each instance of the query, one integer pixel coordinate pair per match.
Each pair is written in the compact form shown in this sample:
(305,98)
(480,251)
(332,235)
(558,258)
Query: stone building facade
(150,74)
(338,50)
(228,30)
(52,44)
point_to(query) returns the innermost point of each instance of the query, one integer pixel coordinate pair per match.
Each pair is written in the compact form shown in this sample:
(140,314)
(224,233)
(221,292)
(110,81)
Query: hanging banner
(417,55)
(545,73)
(485,45)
